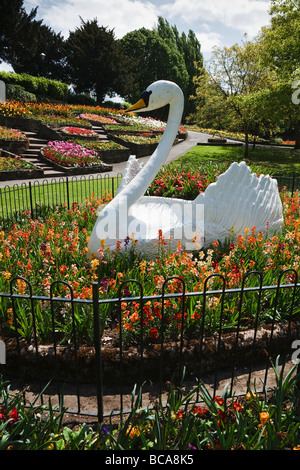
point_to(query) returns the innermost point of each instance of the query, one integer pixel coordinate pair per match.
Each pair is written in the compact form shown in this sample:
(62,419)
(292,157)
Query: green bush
(18,93)
(39,86)
(81,99)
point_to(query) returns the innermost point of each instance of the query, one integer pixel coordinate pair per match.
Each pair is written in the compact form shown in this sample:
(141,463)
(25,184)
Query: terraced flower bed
(80,132)
(15,168)
(13,140)
(64,155)
(108,151)
(141,145)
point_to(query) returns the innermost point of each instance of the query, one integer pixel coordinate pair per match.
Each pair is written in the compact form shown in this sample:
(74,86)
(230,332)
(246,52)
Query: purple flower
(126,291)
(104,430)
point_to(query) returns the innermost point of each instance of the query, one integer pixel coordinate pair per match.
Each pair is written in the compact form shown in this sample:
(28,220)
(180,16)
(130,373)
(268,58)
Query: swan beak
(140,104)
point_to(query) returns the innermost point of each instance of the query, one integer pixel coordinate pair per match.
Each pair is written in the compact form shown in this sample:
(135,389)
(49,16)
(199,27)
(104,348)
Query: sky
(215,22)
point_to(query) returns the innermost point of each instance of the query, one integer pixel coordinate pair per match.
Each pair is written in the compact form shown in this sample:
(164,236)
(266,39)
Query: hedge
(39,86)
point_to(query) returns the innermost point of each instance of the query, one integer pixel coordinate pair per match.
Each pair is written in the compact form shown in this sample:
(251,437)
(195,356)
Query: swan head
(157,95)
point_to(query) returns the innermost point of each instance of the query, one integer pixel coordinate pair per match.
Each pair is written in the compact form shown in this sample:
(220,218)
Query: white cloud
(209,40)
(246,16)
(121,15)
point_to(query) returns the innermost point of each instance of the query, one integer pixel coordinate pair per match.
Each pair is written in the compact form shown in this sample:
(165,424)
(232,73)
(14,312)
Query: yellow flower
(133,431)
(6,275)
(264,417)
(94,263)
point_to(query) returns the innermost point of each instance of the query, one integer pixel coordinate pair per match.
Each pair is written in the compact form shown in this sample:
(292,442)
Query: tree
(282,37)
(94,60)
(28,45)
(190,49)
(233,78)
(281,53)
(153,58)
(11,13)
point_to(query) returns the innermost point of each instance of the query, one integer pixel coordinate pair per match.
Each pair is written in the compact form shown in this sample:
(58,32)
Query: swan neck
(140,183)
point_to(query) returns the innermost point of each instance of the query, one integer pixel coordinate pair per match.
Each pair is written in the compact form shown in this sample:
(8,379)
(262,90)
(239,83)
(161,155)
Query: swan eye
(145,96)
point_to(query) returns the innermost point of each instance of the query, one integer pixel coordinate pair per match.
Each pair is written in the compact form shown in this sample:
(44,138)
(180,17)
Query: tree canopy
(94,60)
(162,53)
(27,44)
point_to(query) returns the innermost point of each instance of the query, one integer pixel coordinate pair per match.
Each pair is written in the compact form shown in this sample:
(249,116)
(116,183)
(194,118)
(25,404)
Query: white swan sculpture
(236,201)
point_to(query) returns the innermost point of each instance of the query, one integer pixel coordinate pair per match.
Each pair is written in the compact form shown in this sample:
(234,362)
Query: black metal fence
(290,181)
(46,194)
(108,372)
(42,194)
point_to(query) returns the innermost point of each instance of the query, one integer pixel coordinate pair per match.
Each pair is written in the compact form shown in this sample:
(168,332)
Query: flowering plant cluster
(173,182)
(14,109)
(99,146)
(98,118)
(59,121)
(70,154)
(55,248)
(251,422)
(79,132)
(149,123)
(11,134)
(141,139)
(14,163)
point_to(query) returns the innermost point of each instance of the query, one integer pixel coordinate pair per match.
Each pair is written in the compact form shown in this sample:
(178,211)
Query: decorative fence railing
(290,181)
(112,370)
(40,194)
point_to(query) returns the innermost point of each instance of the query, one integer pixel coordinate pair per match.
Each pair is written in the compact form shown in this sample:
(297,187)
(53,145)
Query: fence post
(30,198)
(113,187)
(68,196)
(97,342)
(293,184)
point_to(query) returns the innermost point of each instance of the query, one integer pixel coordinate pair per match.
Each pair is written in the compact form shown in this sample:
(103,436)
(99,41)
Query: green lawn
(42,194)
(280,161)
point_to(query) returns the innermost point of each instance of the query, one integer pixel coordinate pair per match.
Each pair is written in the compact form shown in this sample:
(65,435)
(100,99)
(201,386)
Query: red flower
(153,333)
(219,400)
(237,406)
(13,415)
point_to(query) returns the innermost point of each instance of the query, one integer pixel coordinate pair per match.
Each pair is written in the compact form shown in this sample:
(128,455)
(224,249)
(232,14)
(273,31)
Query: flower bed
(55,249)
(126,130)
(13,140)
(109,151)
(97,119)
(141,145)
(188,422)
(66,155)
(15,168)
(80,132)
(169,182)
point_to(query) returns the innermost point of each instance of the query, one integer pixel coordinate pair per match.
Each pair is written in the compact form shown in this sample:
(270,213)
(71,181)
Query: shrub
(18,93)
(40,86)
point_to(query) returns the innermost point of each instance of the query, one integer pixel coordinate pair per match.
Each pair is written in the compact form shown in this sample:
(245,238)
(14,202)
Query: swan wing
(238,200)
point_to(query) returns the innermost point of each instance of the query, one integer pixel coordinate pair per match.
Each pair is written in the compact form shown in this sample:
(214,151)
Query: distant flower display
(70,154)
(11,134)
(79,132)
(14,163)
(98,118)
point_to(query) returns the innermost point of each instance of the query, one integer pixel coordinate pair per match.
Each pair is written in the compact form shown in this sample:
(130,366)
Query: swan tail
(239,200)
(132,168)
